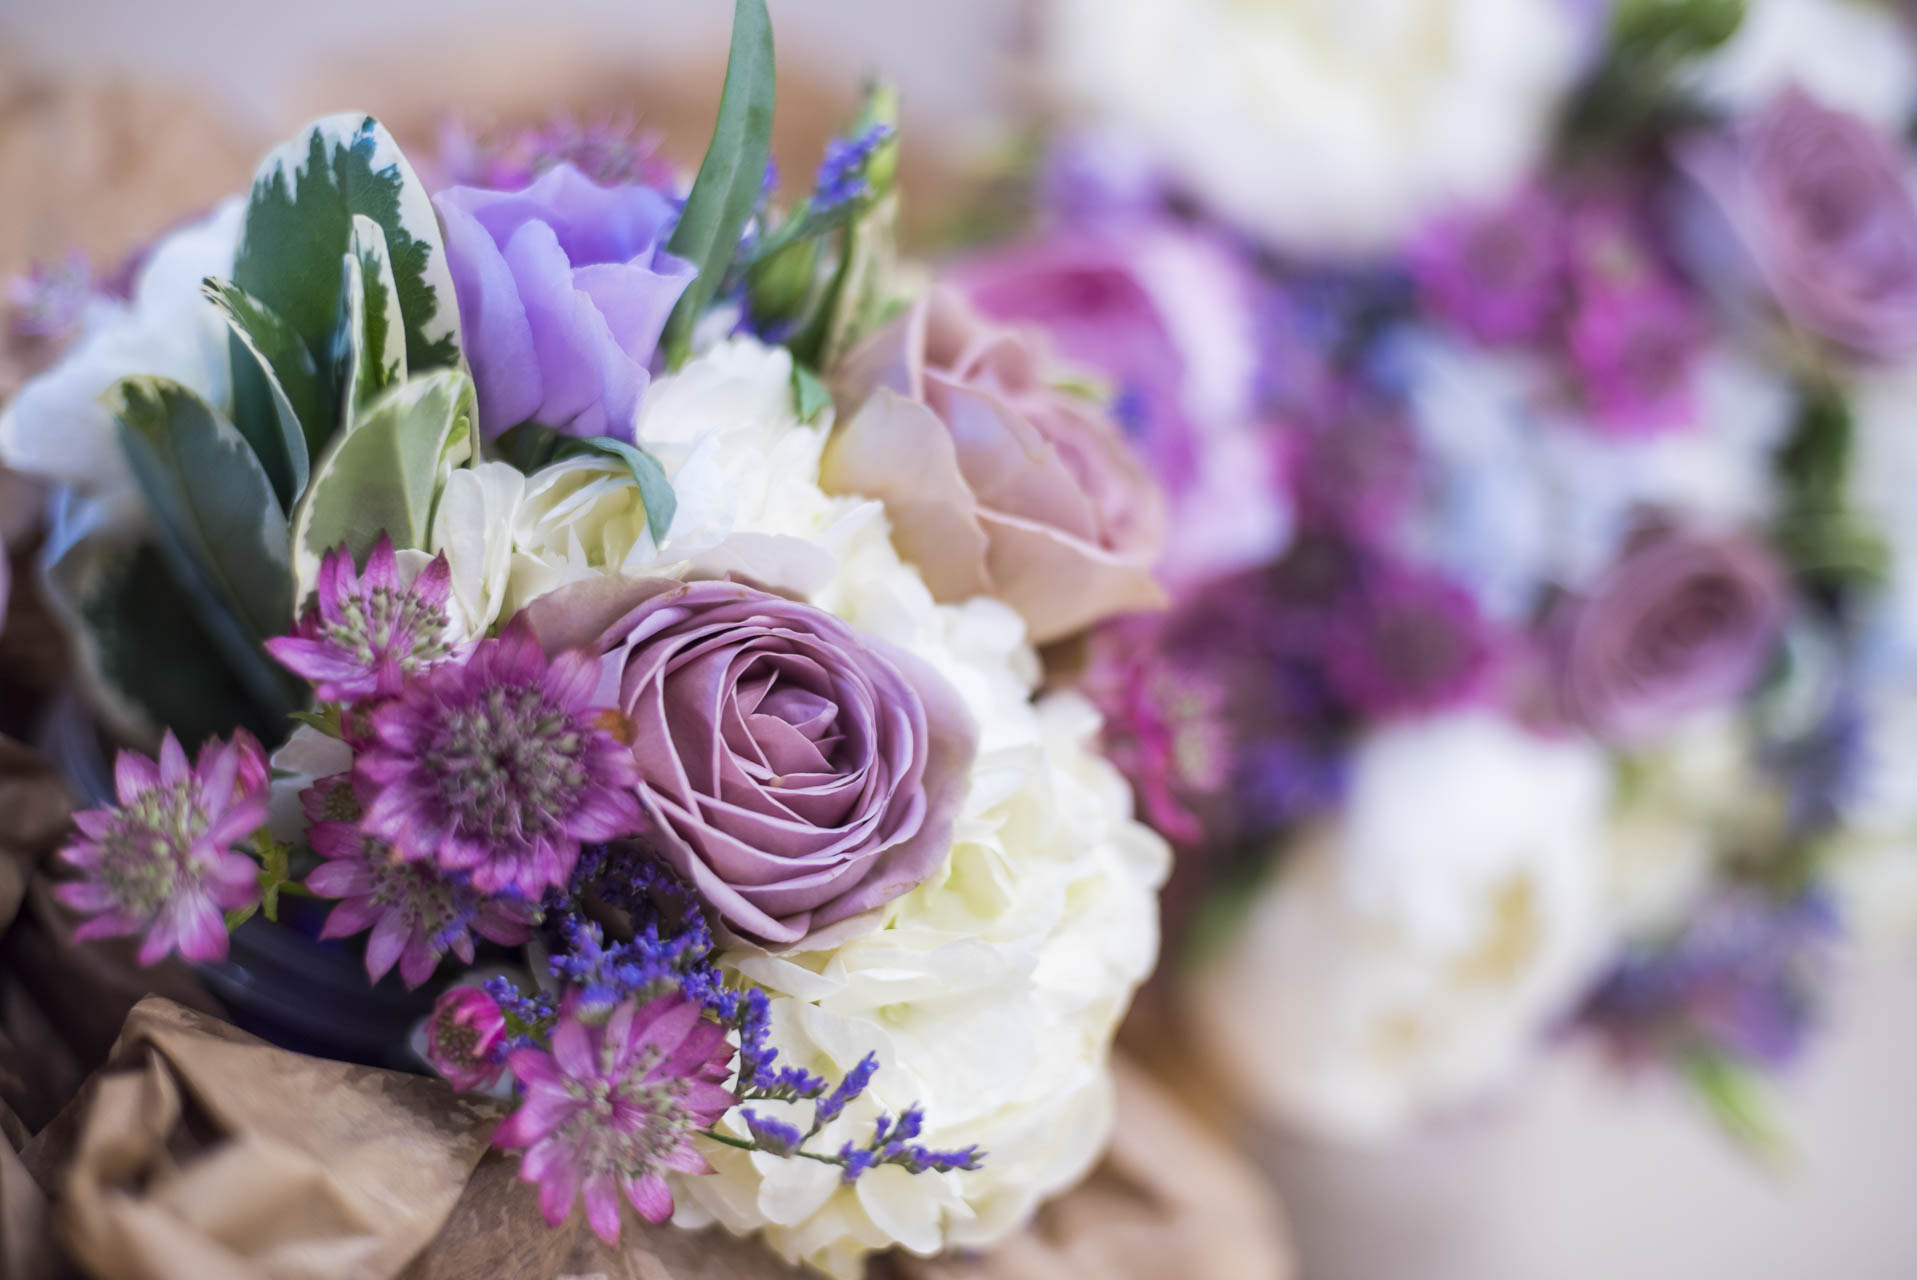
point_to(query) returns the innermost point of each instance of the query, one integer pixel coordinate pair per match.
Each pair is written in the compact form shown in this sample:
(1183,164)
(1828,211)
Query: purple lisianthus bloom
(364,632)
(1169,317)
(1497,274)
(1681,622)
(795,772)
(563,290)
(1407,642)
(466,1038)
(498,767)
(417,913)
(162,863)
(615,1106)
(1822,204)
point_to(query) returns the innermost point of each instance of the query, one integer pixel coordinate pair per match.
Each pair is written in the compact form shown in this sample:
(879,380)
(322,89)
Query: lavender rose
(1819,200)
(1681,622)
(997,482)
(796,772)
(563,290)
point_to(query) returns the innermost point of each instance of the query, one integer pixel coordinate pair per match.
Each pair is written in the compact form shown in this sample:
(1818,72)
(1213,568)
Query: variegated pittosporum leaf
(293,384)
(222,532)
(385,475)
(299,226)
(369,342)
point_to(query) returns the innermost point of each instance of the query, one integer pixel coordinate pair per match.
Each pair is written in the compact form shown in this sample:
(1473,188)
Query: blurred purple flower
(1635,354)
(1821,203)
(1742,978)
(1408,642)
(1682,621)
(1497,274)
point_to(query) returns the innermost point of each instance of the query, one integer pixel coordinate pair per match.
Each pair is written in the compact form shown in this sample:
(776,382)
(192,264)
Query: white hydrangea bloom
(991,991)
(1323,124)
(1410,957)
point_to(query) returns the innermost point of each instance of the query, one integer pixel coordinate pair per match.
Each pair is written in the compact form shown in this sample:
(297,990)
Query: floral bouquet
(1535,415)
(605,604)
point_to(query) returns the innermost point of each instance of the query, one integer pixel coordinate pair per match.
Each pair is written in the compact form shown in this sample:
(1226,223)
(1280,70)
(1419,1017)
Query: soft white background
(1573,1176)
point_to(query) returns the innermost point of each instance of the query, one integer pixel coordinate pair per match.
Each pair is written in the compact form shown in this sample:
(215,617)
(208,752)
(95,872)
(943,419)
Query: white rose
(56,427)
(1853,56)
(1323,124)
(1408,958)
(743,470)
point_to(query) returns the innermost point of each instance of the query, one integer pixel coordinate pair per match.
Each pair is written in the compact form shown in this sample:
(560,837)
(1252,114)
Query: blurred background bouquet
(1531,383)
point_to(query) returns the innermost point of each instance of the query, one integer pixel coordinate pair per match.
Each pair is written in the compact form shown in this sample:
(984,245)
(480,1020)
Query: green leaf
(281,439)
(1737,1101)
(369,344)
(222,531)
(145,662)
(300,221)
(731,176)
(809,395)
(275,872)
(385,475)
(655,490)
(328,719)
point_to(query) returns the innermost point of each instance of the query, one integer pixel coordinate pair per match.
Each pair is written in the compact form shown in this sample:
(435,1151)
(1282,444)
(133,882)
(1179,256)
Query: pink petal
(650,1197)
(133,776)
(602,1207)
(572,1049)
(173,766)
(388,939)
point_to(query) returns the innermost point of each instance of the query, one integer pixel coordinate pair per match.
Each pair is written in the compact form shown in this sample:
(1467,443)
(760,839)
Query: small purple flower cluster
(842,177)
(1581,277)
(1738,981)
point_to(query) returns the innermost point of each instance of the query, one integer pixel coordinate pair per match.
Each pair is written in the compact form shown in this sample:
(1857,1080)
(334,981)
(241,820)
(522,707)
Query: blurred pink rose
(997,480)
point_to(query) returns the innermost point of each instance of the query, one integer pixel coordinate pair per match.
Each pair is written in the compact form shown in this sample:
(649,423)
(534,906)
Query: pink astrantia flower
(465,1038)
(498,767)
(366,632)
(162,863)
(416,911)
(613,1107)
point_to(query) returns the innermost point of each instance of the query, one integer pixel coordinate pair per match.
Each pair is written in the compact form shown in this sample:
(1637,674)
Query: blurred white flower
(56,428)
(1850,55)
(1408,959)
(1679,804)
(1521,494)
(1323,124)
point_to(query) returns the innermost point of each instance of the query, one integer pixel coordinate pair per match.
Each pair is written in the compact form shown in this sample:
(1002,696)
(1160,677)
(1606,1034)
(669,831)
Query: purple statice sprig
(843,178)
(673,952)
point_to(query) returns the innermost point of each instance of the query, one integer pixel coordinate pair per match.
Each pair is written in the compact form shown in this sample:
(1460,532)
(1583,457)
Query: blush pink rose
(997,480)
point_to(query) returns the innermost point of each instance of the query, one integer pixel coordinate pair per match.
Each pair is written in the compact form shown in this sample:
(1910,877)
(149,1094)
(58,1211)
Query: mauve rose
(1681,622)
(563,290)
(796,772)
(996,481)
(1821,202)
(1170,317)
